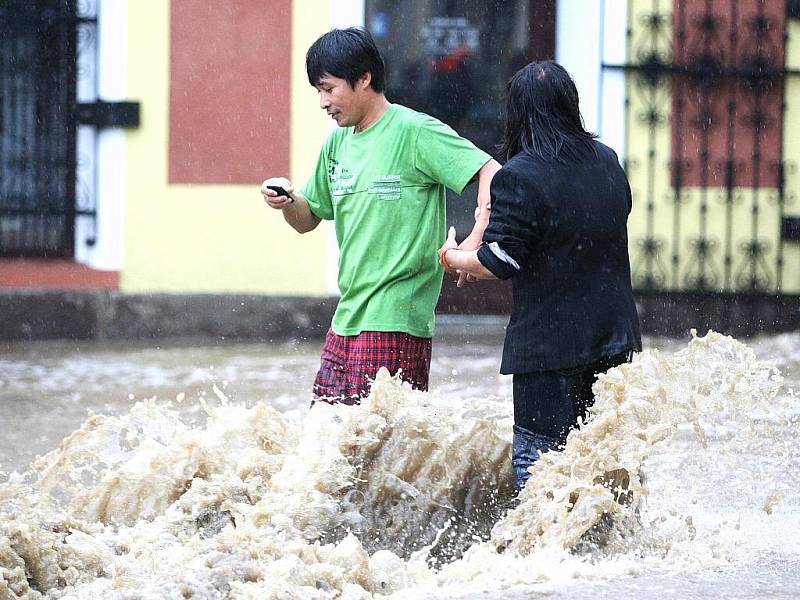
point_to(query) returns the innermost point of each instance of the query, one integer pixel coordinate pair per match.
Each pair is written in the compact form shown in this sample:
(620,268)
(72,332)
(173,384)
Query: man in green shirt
(381,178)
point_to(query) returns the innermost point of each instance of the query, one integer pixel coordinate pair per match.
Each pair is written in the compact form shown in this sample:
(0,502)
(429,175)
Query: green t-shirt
(384,188)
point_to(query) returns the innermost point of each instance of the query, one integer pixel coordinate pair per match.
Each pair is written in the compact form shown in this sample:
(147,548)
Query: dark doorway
(452,59)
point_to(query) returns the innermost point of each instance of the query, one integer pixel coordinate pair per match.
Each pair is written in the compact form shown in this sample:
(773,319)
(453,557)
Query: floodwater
(201,473)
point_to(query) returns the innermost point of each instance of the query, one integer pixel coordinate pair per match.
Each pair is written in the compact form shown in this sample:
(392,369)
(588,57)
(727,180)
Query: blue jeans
(547,405)
(526,450)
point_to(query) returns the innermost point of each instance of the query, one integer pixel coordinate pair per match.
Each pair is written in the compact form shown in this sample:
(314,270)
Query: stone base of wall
(111,315)
(740,315)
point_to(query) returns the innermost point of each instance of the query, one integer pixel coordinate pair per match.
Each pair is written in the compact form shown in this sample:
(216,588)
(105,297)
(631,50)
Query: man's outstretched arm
(482,212)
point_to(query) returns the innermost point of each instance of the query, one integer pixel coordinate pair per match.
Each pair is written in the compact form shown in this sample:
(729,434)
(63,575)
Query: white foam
(687,463)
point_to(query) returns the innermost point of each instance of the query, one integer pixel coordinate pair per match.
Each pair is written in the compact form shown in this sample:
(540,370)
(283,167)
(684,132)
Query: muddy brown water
(724,514)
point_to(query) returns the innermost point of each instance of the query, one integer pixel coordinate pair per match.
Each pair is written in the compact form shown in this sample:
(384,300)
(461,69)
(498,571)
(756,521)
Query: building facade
(135,134)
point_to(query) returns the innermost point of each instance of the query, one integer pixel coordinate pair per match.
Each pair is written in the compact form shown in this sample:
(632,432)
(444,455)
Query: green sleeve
(317,189)
(445,156)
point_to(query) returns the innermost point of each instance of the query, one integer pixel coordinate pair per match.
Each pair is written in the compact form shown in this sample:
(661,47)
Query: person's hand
(463,278)
(449,244)
(471,242)
(272,198)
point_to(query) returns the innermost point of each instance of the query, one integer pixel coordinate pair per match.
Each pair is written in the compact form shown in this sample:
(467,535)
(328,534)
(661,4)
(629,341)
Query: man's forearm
(299,215)
(483,210)
(485,175)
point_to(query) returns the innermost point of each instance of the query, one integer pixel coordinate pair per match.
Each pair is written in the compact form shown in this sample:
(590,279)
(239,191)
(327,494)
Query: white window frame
(588,35)
(101,153)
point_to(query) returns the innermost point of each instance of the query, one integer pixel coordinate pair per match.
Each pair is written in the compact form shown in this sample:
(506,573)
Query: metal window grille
(38,120)
(708,117)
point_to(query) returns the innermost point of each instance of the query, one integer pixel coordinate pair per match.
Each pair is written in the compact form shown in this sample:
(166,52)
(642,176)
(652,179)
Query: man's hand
(294,208)
(272,198)
(449,244)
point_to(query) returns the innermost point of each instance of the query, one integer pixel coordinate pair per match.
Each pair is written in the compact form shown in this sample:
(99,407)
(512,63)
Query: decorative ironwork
(40,42)
(706,102)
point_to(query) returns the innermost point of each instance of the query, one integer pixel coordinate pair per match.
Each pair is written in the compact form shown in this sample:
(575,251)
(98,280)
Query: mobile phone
(280,191)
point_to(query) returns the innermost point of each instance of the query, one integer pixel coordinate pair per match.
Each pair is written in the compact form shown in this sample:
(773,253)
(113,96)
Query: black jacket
(564,223)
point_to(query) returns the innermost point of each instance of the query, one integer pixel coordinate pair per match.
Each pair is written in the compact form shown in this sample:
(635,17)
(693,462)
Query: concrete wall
(30,315)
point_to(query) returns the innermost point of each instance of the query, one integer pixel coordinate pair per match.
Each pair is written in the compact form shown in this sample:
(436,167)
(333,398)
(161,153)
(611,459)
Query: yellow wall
(214,238)
(649,178)
(791,152)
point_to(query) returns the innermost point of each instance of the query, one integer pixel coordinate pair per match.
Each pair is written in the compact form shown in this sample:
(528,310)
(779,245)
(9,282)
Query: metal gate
(712,139)
(38,120)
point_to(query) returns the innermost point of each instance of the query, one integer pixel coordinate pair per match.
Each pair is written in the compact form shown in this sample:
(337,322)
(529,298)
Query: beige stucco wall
(214,238)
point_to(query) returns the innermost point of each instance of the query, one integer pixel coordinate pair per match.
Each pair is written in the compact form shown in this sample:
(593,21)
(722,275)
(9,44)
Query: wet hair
(542,114)
(346,54)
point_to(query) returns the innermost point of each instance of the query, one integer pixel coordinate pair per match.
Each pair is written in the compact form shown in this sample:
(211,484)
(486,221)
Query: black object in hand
(280,191)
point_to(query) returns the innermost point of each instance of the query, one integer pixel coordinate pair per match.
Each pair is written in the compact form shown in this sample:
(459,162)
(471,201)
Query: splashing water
(687,466)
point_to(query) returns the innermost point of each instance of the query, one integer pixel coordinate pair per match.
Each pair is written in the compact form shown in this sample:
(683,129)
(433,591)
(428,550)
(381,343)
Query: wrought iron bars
(706,84)
(38,71)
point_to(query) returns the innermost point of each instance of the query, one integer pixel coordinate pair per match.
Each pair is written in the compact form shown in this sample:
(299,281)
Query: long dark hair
(542,114)
(346,54)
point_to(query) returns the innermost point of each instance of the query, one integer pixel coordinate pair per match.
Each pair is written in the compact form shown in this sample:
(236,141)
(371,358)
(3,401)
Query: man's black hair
(346,54)
(542,113)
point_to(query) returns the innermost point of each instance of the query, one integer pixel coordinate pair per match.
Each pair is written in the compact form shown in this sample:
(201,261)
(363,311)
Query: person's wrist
(482,220)
(482,212)
(446,264)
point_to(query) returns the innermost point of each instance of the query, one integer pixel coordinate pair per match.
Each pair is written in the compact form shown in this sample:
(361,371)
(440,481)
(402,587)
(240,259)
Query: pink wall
(229,90)
(694,41)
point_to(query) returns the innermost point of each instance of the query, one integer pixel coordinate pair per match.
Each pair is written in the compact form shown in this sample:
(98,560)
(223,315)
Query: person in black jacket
(558,229)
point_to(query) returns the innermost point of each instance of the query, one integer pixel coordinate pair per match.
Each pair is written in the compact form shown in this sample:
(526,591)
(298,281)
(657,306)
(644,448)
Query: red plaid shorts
(349,363)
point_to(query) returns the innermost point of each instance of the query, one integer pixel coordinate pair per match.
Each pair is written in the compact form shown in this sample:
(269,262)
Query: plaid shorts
(349,363)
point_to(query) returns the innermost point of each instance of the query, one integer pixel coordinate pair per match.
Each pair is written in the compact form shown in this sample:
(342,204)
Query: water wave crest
(407,493)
